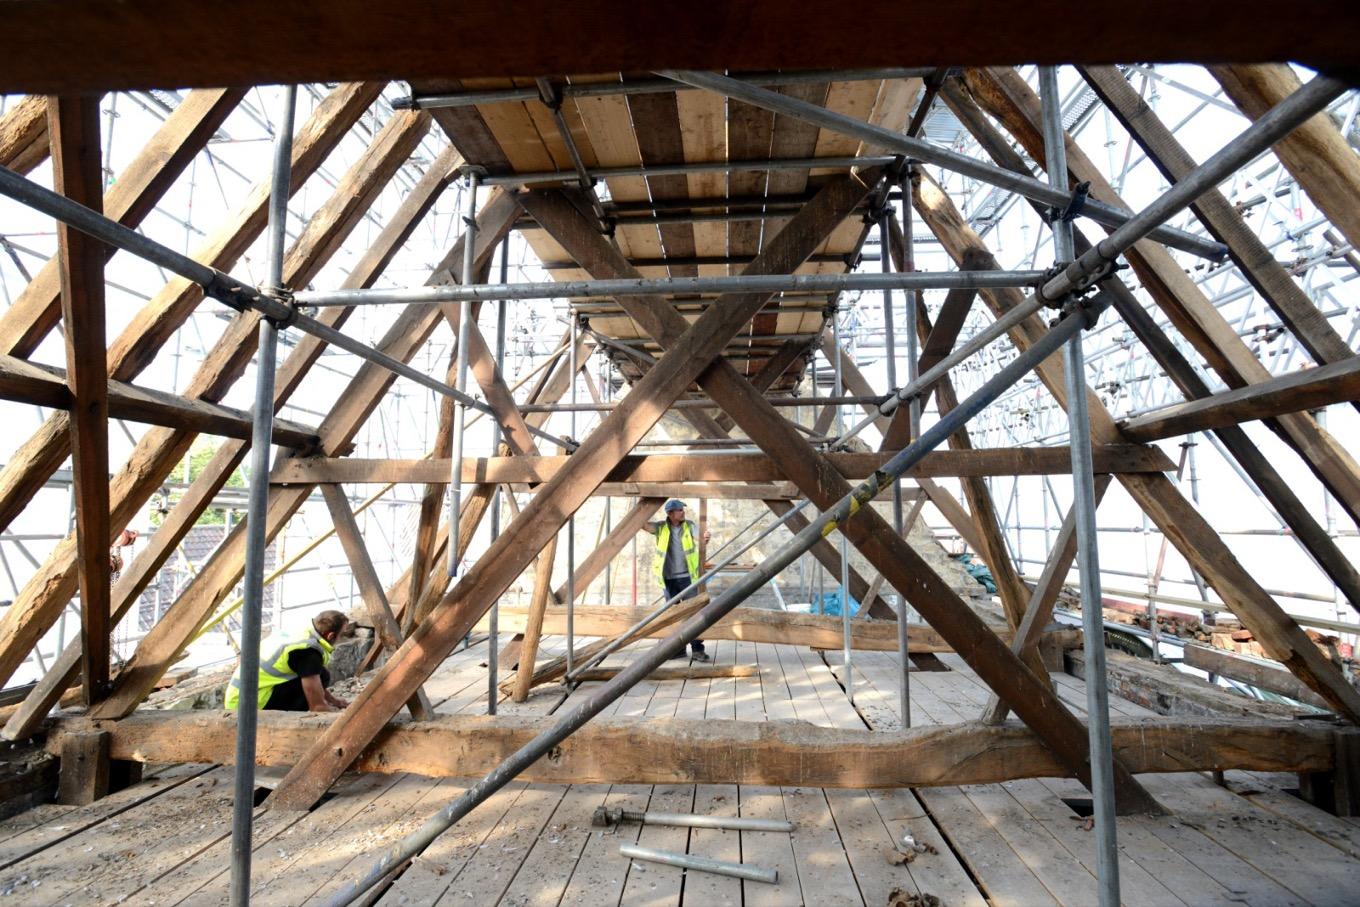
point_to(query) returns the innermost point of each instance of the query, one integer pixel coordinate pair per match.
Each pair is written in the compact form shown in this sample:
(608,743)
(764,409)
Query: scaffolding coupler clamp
(1075,204)
(282,297)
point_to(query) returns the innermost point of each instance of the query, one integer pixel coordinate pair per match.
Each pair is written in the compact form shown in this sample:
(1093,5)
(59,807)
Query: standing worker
(676,563)
(293,675)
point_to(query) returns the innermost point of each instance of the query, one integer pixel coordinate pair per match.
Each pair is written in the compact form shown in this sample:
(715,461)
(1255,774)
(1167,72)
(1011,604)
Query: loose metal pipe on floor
(701,864)
(921,150)
(261,442)
(464,338)
(674,286)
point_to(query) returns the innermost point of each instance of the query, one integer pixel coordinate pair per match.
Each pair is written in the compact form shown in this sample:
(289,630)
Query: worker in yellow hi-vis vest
(676,563)
(293,675)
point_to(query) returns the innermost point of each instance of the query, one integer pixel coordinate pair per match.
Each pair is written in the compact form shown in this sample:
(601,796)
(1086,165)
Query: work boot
(700,655)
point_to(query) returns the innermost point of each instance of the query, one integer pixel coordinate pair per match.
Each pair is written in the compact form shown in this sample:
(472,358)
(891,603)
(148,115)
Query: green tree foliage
(200,455)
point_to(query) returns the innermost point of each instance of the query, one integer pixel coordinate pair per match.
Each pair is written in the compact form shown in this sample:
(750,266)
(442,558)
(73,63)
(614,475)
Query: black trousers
(674,586)
(289,697)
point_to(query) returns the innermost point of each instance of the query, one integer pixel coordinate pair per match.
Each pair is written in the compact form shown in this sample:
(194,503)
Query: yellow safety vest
(274,668)
(663,542)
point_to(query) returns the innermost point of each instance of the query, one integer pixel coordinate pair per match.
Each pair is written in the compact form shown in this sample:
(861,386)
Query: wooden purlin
(867,530)
(23,134)
(24,382)
(159,450)
(1316,153)
(135,348)
(549,509)
(1178,519)
(73,128)
(1281,495)
(1007,97)
(1256,263)
(740,467)
(130,198)
(222,572)
(1303,390)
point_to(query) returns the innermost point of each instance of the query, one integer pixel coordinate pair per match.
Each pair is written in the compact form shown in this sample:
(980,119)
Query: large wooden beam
(370,587)
(753,625)
(160,450)
(23,134)
(162,45)
(1010,99)
(1280,493)
(590,465)
(994,461)
(1307,389)
(889,553)
(73,126)
(676,751)
(182,517)
(1254,671)
(134,349)
(1181,521)
(43,385)
(1316,153)
(1256,263)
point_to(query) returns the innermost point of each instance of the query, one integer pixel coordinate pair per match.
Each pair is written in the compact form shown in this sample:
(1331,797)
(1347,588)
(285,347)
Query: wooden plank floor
(166,841)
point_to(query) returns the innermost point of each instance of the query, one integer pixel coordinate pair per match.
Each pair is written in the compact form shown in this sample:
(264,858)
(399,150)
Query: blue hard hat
(674,504)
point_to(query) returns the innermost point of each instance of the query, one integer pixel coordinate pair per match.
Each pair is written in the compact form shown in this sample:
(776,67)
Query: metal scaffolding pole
(846,657)
(571,521)
(764,165)
(464,335)
(930,153)
(711,613)
(889,331)
(493,652)
(675,286)
(261,440)
(1084,507)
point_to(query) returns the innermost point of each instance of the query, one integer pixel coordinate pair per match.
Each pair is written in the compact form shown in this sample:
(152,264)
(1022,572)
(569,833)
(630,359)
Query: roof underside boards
(686,126)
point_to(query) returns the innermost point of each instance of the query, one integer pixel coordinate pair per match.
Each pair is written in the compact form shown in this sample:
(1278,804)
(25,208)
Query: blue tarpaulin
(978,571)
(831,604)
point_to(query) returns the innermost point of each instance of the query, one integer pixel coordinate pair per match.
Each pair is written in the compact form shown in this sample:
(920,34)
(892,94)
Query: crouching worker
(293,675)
